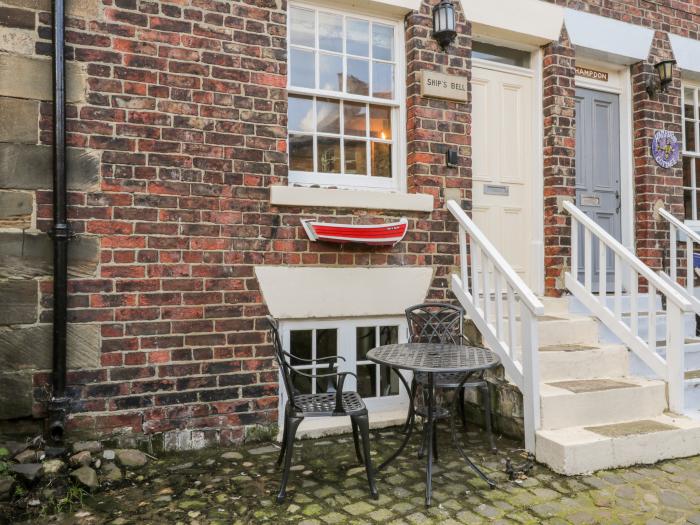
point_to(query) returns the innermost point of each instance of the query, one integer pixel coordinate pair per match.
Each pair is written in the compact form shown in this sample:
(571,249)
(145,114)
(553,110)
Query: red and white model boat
(375,234)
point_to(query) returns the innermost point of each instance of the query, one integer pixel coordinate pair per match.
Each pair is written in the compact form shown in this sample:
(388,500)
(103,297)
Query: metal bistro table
(434,359)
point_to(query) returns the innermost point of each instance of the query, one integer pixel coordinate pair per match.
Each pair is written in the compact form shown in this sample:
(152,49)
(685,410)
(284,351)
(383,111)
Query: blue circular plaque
(665,148)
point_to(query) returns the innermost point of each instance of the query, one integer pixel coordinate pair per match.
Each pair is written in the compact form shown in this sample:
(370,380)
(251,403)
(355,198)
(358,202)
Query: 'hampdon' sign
(439,85)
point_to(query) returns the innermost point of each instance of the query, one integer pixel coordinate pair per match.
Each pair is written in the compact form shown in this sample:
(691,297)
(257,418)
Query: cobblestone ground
(237,486)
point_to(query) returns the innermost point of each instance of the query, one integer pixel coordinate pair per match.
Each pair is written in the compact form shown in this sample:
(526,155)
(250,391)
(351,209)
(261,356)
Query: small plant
(20,491)
(72,499)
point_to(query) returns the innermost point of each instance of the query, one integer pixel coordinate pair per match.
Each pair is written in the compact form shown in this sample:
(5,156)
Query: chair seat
(324,404)
(448,379)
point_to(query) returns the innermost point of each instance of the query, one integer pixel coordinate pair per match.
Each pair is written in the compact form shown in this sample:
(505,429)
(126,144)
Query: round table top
(434,357)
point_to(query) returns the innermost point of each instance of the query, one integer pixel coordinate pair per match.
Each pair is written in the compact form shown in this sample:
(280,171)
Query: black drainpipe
(60,233)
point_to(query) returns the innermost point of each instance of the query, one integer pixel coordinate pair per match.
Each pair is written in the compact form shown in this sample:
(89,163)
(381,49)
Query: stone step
(579,402)
(567,329)
(585,449)
(583,362)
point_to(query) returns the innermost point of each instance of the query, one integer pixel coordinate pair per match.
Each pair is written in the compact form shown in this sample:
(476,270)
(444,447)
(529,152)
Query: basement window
(351,339)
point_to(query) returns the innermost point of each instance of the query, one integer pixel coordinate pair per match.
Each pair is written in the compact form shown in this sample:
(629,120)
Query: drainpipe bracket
(62,232)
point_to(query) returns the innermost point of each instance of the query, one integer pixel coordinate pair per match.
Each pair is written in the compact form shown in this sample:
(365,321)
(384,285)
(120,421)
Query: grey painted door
(598,168)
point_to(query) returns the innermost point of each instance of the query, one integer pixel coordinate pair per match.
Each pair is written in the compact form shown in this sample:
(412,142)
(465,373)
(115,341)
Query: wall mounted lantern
(444,25)
(665,71)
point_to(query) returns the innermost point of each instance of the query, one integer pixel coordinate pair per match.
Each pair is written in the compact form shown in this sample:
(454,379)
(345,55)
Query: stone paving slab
(237,487)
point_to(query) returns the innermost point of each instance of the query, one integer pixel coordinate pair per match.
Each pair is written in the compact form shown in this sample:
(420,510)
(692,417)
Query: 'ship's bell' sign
(439,85)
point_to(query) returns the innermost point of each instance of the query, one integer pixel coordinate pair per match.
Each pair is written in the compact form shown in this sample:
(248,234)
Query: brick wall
(558,72)
(184,106)
(177,128)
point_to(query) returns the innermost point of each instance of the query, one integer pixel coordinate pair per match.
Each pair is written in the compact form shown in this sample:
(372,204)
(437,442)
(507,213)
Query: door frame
(619,83)
(537,187)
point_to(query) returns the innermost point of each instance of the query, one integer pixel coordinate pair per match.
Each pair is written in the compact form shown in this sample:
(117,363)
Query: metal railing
(628,268)
(675,227)
(504,310)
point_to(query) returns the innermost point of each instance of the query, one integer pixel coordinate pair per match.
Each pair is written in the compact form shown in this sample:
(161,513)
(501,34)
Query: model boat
(376,234)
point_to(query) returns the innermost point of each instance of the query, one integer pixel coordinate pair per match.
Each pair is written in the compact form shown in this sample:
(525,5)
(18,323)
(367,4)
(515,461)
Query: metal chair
(443,323)
(335,402)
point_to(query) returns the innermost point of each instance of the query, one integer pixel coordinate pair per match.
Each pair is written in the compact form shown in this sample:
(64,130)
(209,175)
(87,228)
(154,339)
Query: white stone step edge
(574,451)
(599,361)
(561,408)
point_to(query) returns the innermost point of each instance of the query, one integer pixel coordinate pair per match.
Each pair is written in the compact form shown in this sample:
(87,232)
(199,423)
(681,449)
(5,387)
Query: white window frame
(347,349)
(694,176)
(397,181)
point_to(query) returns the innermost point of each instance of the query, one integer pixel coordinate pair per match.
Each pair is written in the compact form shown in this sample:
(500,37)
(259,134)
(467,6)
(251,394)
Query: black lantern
(444,26)
(665,71)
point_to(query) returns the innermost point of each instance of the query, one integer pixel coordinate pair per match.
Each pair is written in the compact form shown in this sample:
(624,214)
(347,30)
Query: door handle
(619,201)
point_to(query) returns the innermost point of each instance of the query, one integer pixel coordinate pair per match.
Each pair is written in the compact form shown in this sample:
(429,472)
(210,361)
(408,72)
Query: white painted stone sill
(314,428)
(344,198)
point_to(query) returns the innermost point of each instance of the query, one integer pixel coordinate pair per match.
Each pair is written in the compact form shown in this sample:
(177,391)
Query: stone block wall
(25,181)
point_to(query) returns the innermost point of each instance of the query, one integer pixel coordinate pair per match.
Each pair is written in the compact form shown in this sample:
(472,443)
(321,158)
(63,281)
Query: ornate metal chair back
(286,369)
(435,323)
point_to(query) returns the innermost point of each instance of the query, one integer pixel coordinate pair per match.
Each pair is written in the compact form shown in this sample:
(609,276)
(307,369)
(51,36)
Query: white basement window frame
(691,149)
(349,333)
(312,94)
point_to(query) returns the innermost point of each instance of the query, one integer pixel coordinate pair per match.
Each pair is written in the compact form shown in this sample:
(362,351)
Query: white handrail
(626,266)
(618,249)
(529,298)
(692,237)
(499,302)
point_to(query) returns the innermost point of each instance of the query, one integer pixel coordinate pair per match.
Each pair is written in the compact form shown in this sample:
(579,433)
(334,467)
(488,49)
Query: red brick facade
(186,105)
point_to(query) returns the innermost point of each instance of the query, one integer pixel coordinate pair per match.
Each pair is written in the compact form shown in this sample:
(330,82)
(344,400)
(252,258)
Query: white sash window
(691,150)
(345,87)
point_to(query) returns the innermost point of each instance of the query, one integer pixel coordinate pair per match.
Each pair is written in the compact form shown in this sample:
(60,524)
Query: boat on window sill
(374,234)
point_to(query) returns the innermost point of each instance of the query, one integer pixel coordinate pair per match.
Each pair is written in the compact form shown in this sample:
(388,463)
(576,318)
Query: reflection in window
(374,380)
(502,55)
(308,345)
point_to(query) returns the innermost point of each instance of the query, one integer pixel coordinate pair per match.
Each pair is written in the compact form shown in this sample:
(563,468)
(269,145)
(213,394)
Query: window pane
(301,152)
(687,173)
(688,202)
(366,340)
(355,157)
(381,159)
(328,155)
(330,70)
(502,55)
(300,114)
(330,32)
(355,119)
(689,103)
(302,27)
(357,42)
(380,122)
(300,345)
(327,115)
(389,382)
(358,76)
(689,135)
(382,42)
(302,68)
(326,342)
(366,384)
(382,80)
(388,335)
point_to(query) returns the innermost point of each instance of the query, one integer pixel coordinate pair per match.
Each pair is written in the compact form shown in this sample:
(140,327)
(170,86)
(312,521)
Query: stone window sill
(341,198)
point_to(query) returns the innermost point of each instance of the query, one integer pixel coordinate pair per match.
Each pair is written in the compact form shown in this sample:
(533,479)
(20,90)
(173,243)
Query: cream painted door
(502,163)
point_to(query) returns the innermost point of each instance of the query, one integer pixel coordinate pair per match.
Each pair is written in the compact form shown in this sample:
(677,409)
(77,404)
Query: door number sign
(665,148)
